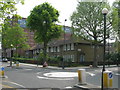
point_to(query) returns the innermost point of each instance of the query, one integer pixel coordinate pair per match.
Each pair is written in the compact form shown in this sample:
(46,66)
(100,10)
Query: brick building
(66,46)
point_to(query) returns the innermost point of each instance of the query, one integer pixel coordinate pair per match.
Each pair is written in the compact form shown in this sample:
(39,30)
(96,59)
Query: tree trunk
(44,52)
(95,61)
(11,58)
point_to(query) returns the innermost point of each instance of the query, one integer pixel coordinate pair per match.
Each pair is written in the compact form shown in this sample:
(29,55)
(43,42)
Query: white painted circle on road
(61,74)
(68,87)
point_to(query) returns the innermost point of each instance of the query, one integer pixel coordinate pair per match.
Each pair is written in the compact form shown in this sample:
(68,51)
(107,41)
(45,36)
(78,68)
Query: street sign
(110,75)
(2,68)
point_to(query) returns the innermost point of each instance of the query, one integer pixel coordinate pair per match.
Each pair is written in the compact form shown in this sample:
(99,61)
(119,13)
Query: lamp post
(104,12)
(64,44)
(11,51)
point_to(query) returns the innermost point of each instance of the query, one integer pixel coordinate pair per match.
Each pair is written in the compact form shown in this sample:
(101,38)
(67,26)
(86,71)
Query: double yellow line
(6,86)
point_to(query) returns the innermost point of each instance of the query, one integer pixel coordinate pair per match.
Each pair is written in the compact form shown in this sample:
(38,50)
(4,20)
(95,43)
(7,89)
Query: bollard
(107,79)
(82,76)
(2,72)
(17,63)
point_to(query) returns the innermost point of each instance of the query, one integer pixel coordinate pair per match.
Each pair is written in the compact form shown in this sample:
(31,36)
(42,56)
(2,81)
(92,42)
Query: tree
(42,21)
(7,8)
(13,36)
(116,22)
(87,22)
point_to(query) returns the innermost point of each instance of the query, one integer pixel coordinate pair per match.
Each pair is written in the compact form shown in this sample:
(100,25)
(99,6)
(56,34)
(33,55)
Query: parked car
(4,59)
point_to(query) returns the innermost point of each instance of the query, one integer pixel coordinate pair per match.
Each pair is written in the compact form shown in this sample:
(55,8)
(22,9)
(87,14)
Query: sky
(65,8)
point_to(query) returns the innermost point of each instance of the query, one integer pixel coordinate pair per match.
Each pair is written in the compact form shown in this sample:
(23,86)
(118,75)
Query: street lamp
(64,44)
(11,52)
(104,12)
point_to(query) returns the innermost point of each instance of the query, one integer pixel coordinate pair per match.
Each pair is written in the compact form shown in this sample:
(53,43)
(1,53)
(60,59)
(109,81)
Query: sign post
(17,63)
(2,71)
(107,79)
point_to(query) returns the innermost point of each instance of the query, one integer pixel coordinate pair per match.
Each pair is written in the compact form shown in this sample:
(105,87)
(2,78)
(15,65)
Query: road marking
(91,74)
(15,84)
(6,86)
(117,74)
(68,87)
(39,72)
(55,78)
(61,74)
(28,69)
(98,70)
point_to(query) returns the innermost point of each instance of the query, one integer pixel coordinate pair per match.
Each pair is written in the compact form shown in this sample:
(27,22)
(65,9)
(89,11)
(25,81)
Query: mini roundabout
(57,75)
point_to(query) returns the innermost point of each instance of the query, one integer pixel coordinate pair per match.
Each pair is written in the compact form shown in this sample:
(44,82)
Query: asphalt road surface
(36,77)
(33,77)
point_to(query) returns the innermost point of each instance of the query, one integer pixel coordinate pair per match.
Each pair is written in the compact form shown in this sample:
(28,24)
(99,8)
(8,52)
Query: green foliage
(42,21)
(87,21)
(116,23)
(54,59)
(7,8)
(13,36)
(115,57)
(40,57)
(17,58)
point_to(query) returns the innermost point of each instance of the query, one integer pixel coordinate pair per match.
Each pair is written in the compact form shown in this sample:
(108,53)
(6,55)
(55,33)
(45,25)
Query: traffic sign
(2,68)
(110,75)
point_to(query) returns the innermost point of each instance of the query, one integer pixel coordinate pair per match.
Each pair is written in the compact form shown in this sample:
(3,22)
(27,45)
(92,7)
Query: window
(68,46)
(51,49)
(47,49)
(72,58)
(54,49)
(58,49)
(37,50)
(72,46)
(64,47)
(82,58)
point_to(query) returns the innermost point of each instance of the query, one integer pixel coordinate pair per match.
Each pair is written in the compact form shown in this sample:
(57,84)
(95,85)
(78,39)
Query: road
(38,77)
(94,76)
(33,77)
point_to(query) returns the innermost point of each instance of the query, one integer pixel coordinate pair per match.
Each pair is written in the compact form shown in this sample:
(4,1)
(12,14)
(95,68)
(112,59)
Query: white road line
(98,70)
(117,74)
(61,74)
(28,69)
(68,87)
(39,72)
(15,84)
(55,78)
(91,74)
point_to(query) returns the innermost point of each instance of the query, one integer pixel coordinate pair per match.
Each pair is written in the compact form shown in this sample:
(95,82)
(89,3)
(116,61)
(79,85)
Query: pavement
(83,86)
